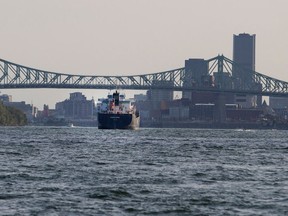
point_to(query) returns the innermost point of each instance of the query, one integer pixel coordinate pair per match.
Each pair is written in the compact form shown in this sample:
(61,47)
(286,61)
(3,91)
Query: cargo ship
(115,112)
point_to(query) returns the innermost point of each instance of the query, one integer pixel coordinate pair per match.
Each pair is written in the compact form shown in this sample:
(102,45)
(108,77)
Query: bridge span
(220,75)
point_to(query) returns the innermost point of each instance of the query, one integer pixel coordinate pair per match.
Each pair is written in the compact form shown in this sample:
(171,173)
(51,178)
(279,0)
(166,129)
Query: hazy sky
(131,37)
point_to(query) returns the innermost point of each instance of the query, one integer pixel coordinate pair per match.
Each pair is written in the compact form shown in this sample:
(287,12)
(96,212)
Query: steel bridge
(226,78)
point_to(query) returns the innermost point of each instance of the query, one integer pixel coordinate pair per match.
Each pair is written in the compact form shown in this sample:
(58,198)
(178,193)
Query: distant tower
(244,54)
(244,50)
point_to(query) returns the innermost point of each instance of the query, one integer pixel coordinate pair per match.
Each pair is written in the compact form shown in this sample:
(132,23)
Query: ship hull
(118,121)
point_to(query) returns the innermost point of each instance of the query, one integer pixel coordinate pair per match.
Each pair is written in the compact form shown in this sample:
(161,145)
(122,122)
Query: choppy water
(86,171)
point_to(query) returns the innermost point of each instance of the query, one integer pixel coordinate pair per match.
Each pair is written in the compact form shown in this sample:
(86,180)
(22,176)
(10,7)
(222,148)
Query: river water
(86,171)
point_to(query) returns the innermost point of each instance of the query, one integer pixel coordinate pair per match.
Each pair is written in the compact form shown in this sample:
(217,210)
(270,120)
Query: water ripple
(86,171)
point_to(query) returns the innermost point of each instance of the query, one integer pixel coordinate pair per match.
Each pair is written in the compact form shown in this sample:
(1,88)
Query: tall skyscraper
(244,50)
(244,54)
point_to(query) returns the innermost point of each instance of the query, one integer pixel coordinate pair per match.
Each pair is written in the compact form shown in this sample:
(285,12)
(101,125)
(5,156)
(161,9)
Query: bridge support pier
(220,109)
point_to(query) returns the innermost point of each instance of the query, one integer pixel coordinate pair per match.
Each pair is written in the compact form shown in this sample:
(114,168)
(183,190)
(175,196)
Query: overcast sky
(131,37)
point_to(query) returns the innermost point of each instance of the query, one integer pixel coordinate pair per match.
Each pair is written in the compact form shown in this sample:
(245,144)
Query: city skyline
(131,38)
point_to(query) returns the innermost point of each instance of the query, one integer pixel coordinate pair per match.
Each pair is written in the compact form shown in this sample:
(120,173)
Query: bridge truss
(221,68)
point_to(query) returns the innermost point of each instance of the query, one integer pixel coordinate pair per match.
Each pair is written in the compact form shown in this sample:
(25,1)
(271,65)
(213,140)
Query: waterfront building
(278,102)
(156,96)
(279,105)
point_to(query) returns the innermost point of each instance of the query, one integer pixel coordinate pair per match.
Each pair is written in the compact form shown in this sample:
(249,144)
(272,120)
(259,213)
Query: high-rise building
(244,50)
(244,54)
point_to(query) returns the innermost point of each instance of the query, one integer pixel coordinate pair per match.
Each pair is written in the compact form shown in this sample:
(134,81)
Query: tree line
(10,116)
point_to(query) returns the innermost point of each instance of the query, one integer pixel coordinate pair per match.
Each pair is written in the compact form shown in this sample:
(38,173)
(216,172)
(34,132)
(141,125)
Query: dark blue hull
(118,121)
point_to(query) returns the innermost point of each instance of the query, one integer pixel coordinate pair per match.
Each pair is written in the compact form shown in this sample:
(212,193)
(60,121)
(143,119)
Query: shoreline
(215,125)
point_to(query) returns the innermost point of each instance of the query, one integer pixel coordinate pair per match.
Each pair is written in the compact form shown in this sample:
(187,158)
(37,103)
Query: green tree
(10,116)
